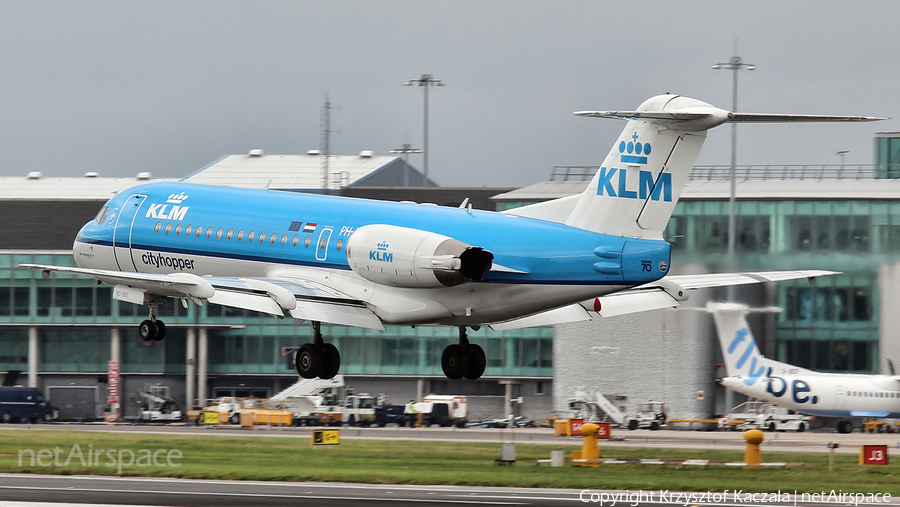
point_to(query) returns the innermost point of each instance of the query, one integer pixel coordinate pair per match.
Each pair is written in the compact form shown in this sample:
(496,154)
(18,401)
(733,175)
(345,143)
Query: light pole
(406,149)
(426,81)
(735,63)
(842,154)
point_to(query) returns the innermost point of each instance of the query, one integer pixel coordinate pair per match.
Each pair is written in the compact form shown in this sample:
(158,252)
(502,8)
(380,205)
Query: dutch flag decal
(310,227)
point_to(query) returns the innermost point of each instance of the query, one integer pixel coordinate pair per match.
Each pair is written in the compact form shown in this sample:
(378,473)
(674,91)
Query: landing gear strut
(317,359)
(845,426)
(463,359)
(152,329)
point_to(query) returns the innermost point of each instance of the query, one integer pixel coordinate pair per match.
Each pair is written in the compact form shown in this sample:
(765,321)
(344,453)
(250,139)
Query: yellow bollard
(753,456)
(589,449)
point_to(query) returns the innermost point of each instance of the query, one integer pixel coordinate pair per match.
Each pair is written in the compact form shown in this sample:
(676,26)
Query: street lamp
(406,149)
(426,81)
(842,154)
(735,63)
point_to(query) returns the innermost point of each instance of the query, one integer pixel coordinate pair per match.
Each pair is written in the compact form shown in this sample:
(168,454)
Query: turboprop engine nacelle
(403,257)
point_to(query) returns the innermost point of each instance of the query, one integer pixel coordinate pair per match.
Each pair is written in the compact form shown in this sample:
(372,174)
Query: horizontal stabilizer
(789,118)
(723,116)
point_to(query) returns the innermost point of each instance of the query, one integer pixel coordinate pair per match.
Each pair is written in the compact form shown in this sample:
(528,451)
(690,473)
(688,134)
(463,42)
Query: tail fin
(636,189)
(739,350)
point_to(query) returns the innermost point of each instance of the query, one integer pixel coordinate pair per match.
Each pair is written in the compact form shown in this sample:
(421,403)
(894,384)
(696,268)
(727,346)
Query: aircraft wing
(302,298)
(707,280)
(670,291)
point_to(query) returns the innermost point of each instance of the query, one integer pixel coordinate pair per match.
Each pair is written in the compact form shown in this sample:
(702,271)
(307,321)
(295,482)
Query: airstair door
(122,233)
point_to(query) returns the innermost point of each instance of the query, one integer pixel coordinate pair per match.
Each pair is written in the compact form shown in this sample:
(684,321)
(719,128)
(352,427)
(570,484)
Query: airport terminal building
(61,331)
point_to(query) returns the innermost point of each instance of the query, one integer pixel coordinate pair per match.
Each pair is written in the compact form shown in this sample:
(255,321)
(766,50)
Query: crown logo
(177,198)
(634,146)
(634,152)
(383,245)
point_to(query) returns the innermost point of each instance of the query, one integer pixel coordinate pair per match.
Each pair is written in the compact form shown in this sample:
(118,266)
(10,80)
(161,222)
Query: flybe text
(646,185)
(162,212)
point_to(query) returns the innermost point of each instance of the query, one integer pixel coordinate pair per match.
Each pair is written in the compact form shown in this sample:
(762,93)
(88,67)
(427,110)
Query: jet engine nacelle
(403,257)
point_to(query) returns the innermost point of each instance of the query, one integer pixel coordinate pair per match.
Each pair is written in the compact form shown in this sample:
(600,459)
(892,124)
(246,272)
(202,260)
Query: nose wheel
(317,359)
(152,329)
(463,360)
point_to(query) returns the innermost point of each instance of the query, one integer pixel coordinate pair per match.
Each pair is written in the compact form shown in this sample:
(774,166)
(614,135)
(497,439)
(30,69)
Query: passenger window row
(209,231)
(866,394)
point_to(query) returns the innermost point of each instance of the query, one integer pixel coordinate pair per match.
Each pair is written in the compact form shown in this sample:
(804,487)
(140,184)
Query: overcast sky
(168,87)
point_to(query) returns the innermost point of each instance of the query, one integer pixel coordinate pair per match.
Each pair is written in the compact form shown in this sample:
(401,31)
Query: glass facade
(887,154)
(830,326)
(74,316)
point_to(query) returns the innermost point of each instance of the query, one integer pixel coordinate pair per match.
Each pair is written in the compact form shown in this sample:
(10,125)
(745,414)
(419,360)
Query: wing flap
(566,314)
(247,301)
(623,303)
(333,313)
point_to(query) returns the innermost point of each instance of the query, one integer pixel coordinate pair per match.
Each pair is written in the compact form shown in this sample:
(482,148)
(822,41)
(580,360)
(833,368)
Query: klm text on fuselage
(646,185)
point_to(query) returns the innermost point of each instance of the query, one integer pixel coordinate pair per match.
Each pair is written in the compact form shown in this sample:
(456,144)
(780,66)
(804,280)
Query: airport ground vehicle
(443,410)
(312,402)
(18,403)
(156,406)
(650,414)
(359,409)
(387,414)
(228,408)
(758,415)
(594,406)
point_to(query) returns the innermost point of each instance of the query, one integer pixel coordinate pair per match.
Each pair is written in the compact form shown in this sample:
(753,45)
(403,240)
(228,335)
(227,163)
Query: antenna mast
(326,135)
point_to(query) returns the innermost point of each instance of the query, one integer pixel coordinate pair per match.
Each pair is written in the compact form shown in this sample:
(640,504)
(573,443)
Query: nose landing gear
(317,359)
(463,359)
(152,328)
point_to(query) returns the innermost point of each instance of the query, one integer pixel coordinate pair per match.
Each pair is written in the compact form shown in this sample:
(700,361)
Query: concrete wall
(888,320)
(653,355)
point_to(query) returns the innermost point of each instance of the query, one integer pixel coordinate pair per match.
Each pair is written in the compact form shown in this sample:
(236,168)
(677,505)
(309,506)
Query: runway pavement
(815,441)
(179,492)
(84,491)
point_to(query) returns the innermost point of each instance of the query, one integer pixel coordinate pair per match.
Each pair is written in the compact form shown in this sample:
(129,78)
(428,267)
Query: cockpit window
(101,215)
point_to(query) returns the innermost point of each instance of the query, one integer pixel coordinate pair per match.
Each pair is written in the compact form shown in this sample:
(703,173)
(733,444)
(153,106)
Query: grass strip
(425,462)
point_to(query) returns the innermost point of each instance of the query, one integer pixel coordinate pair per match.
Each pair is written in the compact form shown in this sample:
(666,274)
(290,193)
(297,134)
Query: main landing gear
(317,359)
(152,329)
(464,359)
(320,359)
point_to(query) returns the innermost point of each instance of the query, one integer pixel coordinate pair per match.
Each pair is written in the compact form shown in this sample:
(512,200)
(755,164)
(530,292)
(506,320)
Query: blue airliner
(370,263)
